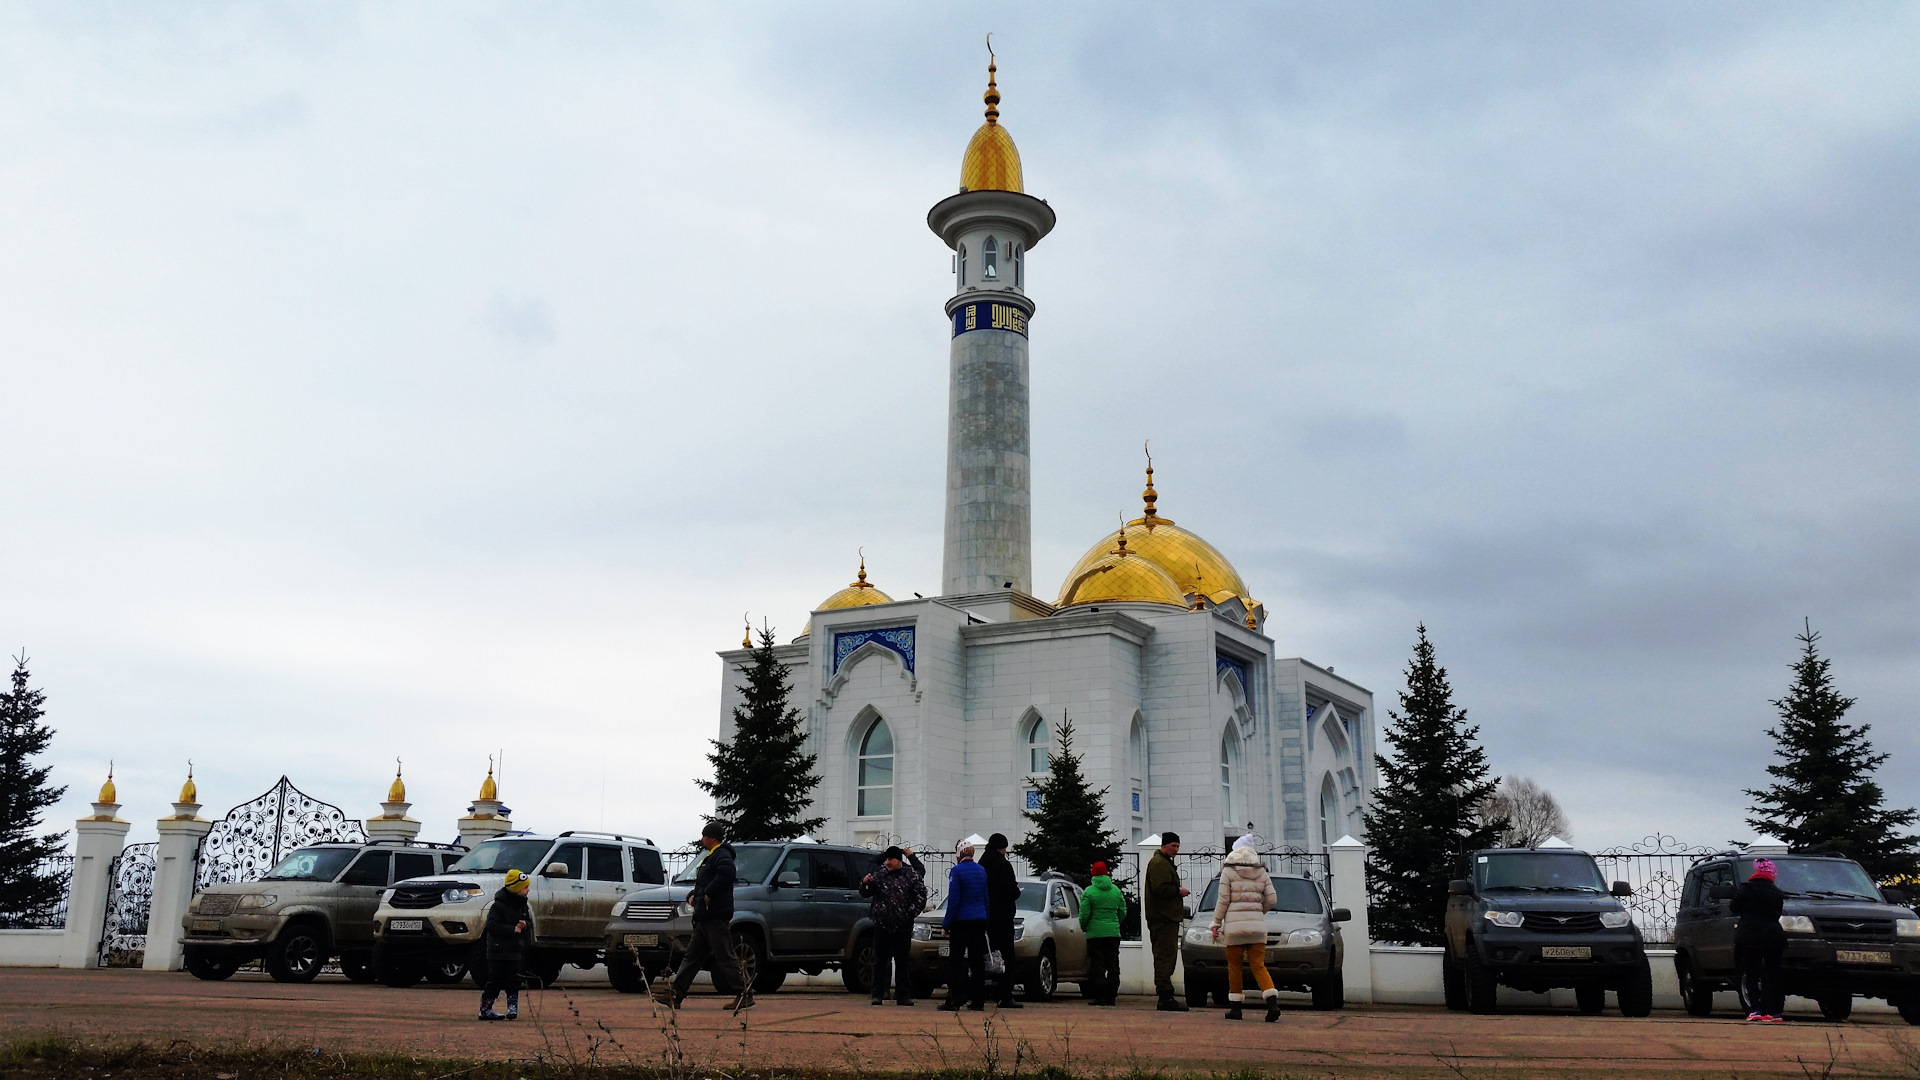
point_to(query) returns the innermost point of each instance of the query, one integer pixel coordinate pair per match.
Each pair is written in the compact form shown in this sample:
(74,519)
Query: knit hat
(1764,868)
(518,882)
(963,852)
(894,852)
(1099,869)
(997,842)
(1247,841)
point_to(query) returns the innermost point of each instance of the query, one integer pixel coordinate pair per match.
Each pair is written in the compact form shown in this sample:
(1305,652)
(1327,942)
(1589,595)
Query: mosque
(935,718)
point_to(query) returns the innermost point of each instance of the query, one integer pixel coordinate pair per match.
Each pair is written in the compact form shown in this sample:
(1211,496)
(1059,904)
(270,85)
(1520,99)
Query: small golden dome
(992,162)
(398,791)
(859,593)
(489,790)
(109,793)
(1120,576)
(189,791)
(1196,566)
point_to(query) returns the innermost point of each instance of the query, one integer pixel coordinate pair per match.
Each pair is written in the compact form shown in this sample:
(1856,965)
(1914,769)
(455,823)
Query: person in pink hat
(1760,942)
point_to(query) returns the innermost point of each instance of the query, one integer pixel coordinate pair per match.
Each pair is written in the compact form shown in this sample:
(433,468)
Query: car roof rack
(417,843)
(613,835)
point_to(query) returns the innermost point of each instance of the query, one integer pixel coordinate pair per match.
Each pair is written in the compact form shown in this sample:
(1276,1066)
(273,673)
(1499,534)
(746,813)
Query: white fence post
(97,842)
(1347,860)
(173,872)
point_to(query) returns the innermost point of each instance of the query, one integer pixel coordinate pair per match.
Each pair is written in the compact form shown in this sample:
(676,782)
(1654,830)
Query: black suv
(1845,936)
(1539,919)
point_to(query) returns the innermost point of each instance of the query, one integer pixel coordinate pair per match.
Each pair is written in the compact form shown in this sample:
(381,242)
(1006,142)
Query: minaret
(990,225)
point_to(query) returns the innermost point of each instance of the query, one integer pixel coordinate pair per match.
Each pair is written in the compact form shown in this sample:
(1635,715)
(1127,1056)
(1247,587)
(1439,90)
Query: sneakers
(1756,1018)
(952,1005)
(877,1001)
(1009,1003)
(489,1014)
(744,1001)
(1773,1019)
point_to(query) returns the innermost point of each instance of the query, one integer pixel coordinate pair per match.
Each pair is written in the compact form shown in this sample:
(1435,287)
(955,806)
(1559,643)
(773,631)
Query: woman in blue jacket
(966,926)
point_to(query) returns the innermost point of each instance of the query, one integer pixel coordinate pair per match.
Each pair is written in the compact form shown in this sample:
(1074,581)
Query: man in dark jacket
(899,894)
(966,925)
(1759,942)
(1165,907)
(712,944)
(504,938)
(1003,899)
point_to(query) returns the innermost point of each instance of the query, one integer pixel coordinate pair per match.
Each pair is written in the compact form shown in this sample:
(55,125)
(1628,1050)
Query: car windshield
(1290,894)
(750,864)
(500,856)
(1833,879)
(1534,871)
(1033,897)
(312,864)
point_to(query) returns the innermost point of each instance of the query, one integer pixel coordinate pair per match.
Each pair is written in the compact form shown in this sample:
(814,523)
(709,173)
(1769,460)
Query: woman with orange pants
(1240,918)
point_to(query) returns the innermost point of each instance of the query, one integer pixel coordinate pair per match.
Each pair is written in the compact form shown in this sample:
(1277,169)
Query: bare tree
(1531,812)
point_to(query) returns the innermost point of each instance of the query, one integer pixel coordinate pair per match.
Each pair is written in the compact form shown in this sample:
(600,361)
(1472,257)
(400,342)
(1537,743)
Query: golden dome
(398,791)
(109,793)
(489,790)
(859,593)
(992,162)
(1120,576)
(1196,567)
(189,792)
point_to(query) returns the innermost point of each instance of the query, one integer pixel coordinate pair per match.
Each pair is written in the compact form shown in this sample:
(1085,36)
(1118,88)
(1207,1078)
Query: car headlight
(1907,927)
(1614,920)
(683,909)
(1019,929)
(459,895)
(258,900)
(1199,935)
(1304,938)
(922,932)
(1505,918)
(1796,924)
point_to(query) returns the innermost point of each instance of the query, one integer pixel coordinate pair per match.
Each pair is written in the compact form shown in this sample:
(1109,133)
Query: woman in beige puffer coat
(1240,920)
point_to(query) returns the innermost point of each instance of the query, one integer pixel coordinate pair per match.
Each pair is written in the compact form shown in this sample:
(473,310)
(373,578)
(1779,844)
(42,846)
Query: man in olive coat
(1165,906)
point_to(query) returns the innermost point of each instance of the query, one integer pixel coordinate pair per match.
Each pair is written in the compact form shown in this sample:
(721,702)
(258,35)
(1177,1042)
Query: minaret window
(1229,755)
(876,772)
(1039,747)
(990,260)
(1019,267)
(963,266)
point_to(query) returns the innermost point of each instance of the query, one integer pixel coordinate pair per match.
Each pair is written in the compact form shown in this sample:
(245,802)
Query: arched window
(990,260)
(1039,747)
(1137,773)
(876,772)
(1229,757)
(1019,267)
(963,266)
(1329,811)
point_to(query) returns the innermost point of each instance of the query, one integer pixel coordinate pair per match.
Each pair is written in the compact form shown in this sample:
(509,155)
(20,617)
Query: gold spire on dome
(859,593)
(1120,576)
(1152,516)
(489,790)
(397,792)
(1196,567)
(746,634)
(1252,623)
(109,793)
(992,162)
(189,791)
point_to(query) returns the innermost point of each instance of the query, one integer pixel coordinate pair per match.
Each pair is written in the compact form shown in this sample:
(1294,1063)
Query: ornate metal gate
(1656,867)
(253,837)
(123,934)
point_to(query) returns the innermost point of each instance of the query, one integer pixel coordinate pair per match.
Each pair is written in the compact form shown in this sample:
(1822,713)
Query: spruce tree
(27,895)
(1069,830)
(1426,812)
(762,782)
(1824,797)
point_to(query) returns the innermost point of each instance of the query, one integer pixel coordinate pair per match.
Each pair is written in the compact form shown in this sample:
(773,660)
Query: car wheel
(771,978)
(857,973)
(624,972)
(1044,979)
(544,972)
(1483,990)
(1695,996)
(357,966)
(210,964)
(1453,982)
(1909,1009)
(1836,1006)
(298,954)
(1636,993)
(749,960)
(446,972)
(1331,991)
(1592,1000)
(398,972)
(1197,991)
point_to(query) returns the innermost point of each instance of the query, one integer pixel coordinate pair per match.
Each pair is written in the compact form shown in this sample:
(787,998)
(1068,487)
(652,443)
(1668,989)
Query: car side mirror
(1340,914)
(1459,887)
(555,869)
(788,880)
(1622,889)
(1186,911)
(1722,891)
(1894,896)
(1060,913)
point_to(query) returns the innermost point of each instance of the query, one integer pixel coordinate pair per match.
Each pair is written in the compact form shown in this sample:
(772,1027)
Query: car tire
(1044,978)
(1591,1000)
(1197,991)
(1636,993)
(445,972)
(357,966)
(749,960)
(1835,1007)
(1453,982)
(209,964)
(1909,1009)
(1483,990)
(624,972)
(1331,992)
(298,954)
(398,972)
(1695,996)
(857,973)
(771,978)
(544,970)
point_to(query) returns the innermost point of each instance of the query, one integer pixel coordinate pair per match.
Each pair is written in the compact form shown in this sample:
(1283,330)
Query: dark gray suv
(796,907)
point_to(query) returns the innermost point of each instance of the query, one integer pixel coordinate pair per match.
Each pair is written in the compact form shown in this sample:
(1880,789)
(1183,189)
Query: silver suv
(1049,946)
(578,877)
(1304,950)
(317,903)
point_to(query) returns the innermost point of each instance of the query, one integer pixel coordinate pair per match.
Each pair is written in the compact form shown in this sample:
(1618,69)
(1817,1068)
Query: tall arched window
(1229,757)
(1329,810)
(1019,267)
(963,266)
(1137,773)
(990,259)
(876,772)
(1039,747)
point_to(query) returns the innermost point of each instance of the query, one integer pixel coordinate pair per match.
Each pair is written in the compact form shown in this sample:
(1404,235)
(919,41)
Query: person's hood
(1243,856)
(1101,881)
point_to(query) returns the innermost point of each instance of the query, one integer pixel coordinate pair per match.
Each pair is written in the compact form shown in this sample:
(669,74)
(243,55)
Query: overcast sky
(419,380)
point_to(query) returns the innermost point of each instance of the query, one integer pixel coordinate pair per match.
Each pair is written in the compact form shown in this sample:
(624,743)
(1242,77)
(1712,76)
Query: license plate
(206,924)
(637,940)
(946,949)
(406,924)
(1858,956)
(1566,952)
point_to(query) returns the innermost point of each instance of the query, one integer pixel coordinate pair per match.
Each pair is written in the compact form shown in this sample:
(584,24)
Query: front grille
(1579,922)
(417,896)
(1855,929)
(939,933)
(650,910)
(219,904)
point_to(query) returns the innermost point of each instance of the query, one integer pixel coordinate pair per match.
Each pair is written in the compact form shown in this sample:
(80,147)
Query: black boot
(1273,1006)
(1007,1002)
(1233,1011)
(1168,1004)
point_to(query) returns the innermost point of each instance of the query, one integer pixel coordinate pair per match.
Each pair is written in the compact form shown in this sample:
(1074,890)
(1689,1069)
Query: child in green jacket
(1102,907)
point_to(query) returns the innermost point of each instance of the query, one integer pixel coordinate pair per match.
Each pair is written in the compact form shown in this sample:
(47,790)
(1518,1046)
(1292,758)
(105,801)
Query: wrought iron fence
(254,836)
(1656,867)
(53,914)
(123,933)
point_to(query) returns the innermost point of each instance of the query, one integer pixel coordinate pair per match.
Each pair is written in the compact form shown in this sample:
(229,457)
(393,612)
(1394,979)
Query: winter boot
(1168,1004)
(1273,1006)
(513,1005)
(1233,1008)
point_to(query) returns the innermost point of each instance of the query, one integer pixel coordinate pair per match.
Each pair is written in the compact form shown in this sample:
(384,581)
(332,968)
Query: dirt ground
(583,1019)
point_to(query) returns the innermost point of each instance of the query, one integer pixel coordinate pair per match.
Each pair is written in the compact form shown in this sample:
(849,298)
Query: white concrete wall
(31,948)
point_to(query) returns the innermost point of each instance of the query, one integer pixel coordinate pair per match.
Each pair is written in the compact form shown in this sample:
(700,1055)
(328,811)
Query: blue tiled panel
(1033,800)
(1226,663)
(897,638)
